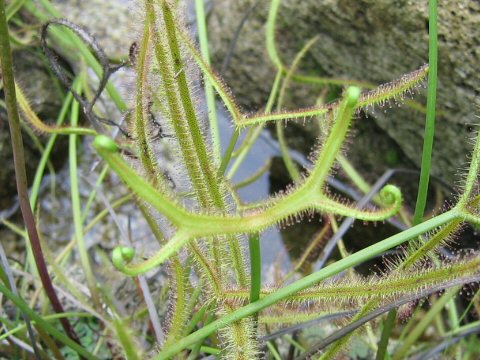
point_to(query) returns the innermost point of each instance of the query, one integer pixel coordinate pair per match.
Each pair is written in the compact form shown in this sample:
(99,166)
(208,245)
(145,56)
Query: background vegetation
(194,287)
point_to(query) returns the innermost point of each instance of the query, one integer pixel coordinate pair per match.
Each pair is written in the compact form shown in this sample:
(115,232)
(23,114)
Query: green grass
(212,299)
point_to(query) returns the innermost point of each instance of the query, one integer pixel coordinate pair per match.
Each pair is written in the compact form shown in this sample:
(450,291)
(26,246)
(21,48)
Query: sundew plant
(208,238)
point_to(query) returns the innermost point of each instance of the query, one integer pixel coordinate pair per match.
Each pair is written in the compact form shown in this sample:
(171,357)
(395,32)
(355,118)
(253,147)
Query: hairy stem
(310,280)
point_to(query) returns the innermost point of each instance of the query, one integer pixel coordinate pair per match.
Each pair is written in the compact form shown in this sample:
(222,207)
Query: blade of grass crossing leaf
(308,281)
(430,118)
(427,143)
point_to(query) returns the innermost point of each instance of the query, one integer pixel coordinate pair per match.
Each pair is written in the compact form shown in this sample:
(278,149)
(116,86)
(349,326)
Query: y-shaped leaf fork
(307,196)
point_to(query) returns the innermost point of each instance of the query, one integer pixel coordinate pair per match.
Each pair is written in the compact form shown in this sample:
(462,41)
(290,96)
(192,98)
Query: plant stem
(48,150)
(427,146)
(249,141)
(270,34)
(20,173)
(292,168)
(255,267)
(76,208)
(387,330)
(430,119)
(228,152)
(209,94)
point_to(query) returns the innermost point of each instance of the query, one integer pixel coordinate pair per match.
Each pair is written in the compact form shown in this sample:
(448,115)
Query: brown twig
(20,173)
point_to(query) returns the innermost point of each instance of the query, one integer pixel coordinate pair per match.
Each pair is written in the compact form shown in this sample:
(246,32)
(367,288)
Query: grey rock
(370,40)
(113,23)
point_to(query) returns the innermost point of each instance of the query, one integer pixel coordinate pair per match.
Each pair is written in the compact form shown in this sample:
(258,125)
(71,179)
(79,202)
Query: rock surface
(111,22)
(369,40)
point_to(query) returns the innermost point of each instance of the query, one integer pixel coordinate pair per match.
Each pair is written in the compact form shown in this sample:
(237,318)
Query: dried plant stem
(20,173)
